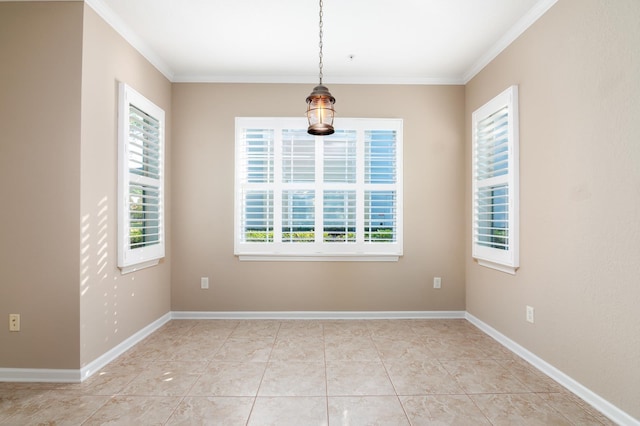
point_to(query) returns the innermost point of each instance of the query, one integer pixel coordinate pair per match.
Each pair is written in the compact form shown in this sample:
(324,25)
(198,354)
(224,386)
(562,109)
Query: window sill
(138,266)
(317,258)
(497,266)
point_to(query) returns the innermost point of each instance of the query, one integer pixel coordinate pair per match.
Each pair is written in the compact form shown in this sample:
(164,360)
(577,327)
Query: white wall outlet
(204,282)
(530,314)
(14,322)
(437,282)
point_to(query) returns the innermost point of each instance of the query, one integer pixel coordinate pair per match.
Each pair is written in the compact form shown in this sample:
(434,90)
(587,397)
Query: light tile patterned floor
(306,372)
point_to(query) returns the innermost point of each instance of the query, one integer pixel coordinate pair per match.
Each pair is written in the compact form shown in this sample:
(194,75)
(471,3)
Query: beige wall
(113,306)
(578,72)
(203,157)
(39,182)
(58,162)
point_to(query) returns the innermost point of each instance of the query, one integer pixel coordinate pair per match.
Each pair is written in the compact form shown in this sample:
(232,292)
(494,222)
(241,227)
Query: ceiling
(365,41)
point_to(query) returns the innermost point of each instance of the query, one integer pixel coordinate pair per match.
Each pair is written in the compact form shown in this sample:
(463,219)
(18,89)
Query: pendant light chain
(320,112)
(320,42)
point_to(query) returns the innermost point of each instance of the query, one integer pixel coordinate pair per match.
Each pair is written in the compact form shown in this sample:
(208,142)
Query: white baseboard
(46,375)
(322,315)
(124,346)
(77,376)
(599,403)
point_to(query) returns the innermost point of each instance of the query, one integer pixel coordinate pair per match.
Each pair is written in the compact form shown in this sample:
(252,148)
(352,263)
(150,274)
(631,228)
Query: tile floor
(306,372)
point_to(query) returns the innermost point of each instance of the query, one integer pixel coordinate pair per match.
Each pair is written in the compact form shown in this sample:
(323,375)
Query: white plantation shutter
(144,179)
(141,181)
(298,156)
(257,222)
(308,197)
(256,170)
(339,153)
(380,156)
(298,216)
(339,174)
(495,182)
(492,217)
(257,156)
(380,178)
(339,216)
(380,216)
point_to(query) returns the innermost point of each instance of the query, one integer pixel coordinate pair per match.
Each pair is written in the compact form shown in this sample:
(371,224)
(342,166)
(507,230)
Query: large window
(304,197)
(140,181)
(495,182)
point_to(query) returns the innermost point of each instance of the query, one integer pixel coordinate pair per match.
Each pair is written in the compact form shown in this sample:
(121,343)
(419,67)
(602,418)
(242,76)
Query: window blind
(144,182)
(257,222)
(492,191)
(380,216)
(257,156)
(380,156)
(144,215)
(298,156)
(340,157)
(492,217)
(140,181)
(256,163)
(339,216)
(380,172)
(495,182)
(492,147)
(144,144)
(298,216)
(305,196)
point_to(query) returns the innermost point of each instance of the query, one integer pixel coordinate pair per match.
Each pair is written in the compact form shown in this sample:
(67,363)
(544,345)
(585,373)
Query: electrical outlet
(204,282)
(14,322)
(437,282)
(530,314)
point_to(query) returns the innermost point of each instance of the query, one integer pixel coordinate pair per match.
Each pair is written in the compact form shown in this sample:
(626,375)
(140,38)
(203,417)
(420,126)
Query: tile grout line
(266,366)
(186,394)
(326,376)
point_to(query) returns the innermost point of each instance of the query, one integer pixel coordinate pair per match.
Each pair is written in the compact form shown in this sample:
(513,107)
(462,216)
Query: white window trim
(339,252)
(502,260)
(130,260)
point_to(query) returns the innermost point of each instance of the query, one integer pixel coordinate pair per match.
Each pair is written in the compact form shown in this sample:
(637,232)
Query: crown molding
(130,36)
(539,9)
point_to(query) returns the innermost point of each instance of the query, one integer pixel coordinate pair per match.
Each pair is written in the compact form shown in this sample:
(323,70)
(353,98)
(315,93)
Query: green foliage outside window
(309,236)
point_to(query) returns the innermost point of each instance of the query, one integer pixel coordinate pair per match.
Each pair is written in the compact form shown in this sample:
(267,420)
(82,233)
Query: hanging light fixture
(320,110)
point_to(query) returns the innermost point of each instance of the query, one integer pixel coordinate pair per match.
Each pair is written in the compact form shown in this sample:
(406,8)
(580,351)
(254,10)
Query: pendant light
(320,110)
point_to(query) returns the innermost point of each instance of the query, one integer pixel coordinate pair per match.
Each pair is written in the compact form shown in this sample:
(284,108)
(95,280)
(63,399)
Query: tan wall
(40,47)
(203,158)
(578,71)
(113,306)
(58,163)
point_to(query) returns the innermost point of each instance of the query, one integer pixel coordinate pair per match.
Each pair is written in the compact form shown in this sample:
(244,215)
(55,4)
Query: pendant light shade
(320,112)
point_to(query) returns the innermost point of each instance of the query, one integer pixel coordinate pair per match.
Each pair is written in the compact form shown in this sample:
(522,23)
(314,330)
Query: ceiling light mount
(320,112)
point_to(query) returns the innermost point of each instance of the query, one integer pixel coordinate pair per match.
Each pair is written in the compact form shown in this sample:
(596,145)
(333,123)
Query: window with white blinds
(495,182)
(304,197)
(140,181)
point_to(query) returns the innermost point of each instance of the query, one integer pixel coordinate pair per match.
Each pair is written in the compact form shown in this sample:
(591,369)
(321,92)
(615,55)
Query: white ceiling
(389,41)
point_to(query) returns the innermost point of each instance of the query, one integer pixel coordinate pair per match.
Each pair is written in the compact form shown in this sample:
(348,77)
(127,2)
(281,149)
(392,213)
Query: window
(304,197)
(140,181)
(495,182)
